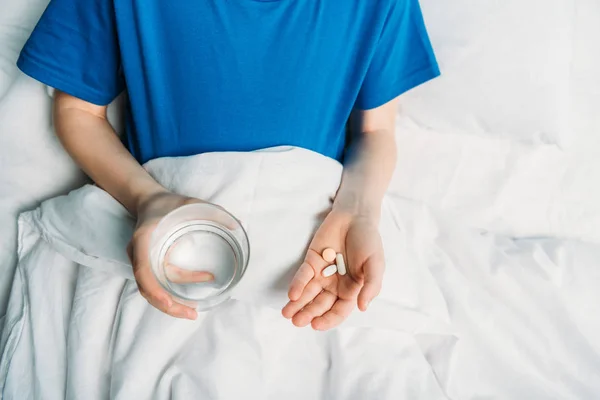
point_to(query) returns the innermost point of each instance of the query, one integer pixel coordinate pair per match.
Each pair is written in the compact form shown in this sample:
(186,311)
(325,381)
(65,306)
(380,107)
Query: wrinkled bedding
(496,202)
(462,311)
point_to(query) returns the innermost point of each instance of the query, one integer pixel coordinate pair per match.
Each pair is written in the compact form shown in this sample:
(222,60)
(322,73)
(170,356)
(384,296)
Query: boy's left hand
(326,302)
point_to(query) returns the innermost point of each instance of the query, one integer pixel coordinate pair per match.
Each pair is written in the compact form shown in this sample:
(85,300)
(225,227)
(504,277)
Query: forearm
(89,138)
(368,168)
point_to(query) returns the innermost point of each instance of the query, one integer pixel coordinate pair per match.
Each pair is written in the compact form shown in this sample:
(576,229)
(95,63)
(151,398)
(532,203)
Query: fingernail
(209,277)
(293,295)
(191,315)
(168,302)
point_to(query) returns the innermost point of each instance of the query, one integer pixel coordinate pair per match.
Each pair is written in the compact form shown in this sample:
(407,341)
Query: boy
(239,75)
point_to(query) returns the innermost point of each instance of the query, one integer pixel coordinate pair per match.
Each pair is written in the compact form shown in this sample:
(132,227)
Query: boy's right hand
(150,211)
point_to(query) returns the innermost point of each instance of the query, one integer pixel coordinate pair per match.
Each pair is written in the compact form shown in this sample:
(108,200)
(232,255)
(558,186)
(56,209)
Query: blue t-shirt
(232,75)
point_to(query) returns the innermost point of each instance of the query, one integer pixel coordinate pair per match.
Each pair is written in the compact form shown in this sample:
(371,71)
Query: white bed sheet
(524,308)
(34,166)
(464,314)
(503,186)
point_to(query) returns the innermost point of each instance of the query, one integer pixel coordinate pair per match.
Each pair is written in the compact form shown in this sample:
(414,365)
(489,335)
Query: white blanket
(75,330)
(463,314)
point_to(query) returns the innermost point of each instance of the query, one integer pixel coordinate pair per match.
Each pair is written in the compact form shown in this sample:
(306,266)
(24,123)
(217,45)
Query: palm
(138,252)
(326,302)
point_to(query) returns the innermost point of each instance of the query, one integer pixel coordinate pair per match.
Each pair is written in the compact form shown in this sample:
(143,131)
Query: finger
(332,318)
(182,276)
(310,292)
(313,264)
(304,274)
(161,300)
(176,310)
(322,303)
(151,289)
(373,273)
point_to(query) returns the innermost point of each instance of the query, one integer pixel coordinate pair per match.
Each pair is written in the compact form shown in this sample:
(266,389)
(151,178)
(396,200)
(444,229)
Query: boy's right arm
(88,137)
(86,134)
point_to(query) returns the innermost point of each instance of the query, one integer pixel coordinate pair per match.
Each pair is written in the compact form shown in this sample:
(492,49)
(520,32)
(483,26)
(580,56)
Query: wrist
(144,194)
(358,206)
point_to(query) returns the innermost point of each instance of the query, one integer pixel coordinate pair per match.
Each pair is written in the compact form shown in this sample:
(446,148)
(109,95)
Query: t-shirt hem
(46,75)
(406,84)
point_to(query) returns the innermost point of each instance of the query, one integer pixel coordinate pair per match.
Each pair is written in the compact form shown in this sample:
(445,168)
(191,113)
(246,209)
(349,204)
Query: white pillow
(585,82)
(17,19)
(505,69)
(508,139)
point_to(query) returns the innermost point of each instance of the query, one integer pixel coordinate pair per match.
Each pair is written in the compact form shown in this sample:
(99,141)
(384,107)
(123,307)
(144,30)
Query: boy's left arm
(351,228)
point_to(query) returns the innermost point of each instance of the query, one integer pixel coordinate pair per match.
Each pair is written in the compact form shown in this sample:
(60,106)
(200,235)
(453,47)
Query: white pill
(329,271)
(341,265)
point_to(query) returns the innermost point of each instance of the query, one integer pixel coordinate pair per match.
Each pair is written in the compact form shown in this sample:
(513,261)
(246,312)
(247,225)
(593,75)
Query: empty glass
(196,238)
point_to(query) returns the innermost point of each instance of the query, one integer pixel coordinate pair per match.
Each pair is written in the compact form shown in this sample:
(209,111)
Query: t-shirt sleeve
(403,57)
(74,48)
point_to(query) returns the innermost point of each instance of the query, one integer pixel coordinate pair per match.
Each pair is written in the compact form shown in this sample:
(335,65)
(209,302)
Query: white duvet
(463,314)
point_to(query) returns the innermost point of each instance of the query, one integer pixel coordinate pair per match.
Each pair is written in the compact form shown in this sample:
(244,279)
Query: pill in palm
(340,263)
(329,255)
(329,271)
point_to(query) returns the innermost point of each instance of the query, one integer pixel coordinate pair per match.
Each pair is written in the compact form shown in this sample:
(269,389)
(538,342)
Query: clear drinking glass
(199,237)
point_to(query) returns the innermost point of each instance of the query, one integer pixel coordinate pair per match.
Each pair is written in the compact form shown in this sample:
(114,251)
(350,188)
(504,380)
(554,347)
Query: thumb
(373,276)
